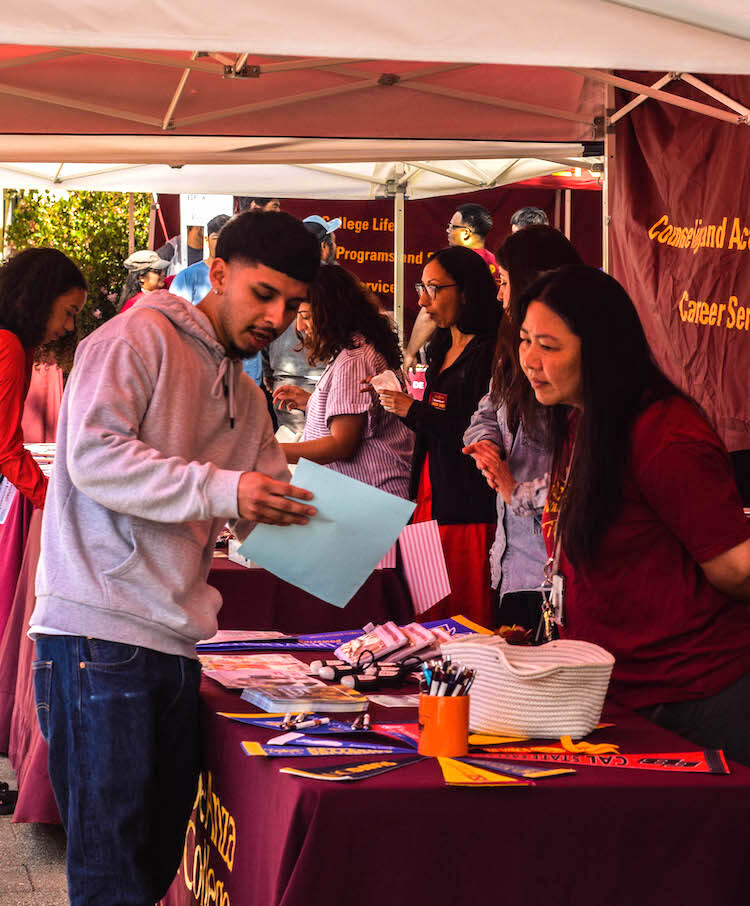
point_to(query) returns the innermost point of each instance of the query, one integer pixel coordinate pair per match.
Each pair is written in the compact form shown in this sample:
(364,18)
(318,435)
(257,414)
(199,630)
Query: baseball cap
(145,260)
(330,226)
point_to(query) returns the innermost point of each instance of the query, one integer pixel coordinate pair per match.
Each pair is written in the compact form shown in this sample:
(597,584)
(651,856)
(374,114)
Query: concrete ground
(32,859)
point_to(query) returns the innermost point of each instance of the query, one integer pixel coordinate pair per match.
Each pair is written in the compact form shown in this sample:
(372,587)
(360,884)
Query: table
(613,836)
(252,599)
(256,599)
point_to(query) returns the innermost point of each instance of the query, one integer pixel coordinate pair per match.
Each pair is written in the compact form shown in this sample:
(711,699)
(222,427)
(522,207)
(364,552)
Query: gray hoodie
(156,426)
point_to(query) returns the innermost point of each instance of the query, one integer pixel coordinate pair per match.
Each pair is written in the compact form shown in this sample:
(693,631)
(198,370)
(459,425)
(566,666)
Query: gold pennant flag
(457,773)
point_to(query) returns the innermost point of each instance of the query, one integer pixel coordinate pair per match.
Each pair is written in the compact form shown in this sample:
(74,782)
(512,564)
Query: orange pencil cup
(444,725)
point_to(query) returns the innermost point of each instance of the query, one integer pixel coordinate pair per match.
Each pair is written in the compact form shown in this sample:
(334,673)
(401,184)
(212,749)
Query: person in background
(173,252)
(508,437)
(145,275)
(346,430)
(284,361)
(161,440)
(459,295)
(525,217)
(255,203)
(643,512)
(194,284)
(468,227)
(325,232)
(41,293)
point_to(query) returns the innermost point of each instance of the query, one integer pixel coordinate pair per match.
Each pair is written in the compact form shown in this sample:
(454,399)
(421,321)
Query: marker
(366,721)
(287,721)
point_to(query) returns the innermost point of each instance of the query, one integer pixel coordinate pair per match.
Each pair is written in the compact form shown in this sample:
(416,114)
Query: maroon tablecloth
(613,836)
(255,599)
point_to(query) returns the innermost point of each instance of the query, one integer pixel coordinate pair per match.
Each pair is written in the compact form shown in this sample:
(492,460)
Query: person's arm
(730,571)
(340,444)
(289,397)
(109,463)
(262,493)
(16,463)
(424,328)
(690,485)
(484,424)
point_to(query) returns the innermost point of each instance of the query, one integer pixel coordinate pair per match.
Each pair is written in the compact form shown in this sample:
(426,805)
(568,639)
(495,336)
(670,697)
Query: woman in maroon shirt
(41,292)
(653,544)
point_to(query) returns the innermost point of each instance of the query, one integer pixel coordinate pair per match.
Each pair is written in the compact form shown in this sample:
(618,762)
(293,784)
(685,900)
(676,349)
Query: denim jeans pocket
(99,654)
(42,692)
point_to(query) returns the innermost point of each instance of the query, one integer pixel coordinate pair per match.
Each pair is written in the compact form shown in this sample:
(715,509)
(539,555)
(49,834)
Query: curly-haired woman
(41,292)
(346,429)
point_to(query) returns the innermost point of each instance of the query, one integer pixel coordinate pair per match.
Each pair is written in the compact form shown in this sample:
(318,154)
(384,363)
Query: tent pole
(610,141)
(398,259)
(556,218)
(131,223)
(567,195)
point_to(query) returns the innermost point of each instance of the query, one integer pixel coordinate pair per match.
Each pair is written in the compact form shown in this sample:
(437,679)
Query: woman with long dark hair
(508,437)
(345,429)
(643,515)
(41,292)
(459,294)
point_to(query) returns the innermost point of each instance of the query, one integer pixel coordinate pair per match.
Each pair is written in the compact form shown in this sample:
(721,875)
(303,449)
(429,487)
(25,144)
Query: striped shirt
(383,457)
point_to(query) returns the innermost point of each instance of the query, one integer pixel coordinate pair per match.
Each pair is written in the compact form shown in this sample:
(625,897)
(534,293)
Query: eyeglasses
(432,289)
(458,226)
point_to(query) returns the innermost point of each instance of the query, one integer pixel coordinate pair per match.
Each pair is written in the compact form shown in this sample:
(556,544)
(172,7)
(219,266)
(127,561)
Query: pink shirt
(383,457)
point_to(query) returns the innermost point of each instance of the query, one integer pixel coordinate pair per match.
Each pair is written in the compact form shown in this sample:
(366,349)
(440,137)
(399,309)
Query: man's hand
(409,361)
(263,499)
(397,403)
(493,467)
(290,397)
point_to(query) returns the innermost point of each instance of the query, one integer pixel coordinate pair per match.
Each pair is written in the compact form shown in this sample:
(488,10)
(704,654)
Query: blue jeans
(123,729)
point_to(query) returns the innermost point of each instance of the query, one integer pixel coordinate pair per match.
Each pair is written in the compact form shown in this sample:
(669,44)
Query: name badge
(439,401)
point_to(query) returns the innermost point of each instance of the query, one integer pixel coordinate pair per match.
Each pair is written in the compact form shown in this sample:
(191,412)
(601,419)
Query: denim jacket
(518,555)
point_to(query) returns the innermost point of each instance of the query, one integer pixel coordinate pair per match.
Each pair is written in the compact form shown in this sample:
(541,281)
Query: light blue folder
(336,551)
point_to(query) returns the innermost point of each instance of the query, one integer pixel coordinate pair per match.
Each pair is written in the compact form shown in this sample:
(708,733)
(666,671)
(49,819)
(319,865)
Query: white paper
(386,380)
(8,493)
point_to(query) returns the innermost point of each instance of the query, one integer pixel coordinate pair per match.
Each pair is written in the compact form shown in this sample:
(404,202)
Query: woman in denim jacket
(508,436)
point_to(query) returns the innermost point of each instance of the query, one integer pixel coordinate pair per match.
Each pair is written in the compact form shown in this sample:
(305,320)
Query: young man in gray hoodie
(161,440)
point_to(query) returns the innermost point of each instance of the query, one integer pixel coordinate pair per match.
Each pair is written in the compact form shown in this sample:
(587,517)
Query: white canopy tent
(82,84)
(306,172)
(683,35)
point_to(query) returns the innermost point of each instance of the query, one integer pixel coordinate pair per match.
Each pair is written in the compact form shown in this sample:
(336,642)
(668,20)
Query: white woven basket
(547,691)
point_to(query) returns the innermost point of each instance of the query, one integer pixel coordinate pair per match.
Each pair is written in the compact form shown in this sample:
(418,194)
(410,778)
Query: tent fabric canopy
(692,35)
(308,174)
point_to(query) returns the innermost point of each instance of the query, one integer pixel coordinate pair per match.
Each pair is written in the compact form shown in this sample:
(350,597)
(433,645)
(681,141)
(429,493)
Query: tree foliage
(92,229)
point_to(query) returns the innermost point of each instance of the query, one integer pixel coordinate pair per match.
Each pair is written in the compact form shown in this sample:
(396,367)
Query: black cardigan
(460,495)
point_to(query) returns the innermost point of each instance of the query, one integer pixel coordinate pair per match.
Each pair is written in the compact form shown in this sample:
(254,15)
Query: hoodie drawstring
(224,384)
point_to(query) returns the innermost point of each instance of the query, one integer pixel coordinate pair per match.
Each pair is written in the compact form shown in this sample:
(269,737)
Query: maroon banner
(681,240)
(365,238)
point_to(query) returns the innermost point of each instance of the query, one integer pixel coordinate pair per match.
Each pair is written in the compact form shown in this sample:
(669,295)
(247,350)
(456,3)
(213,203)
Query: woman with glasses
(347,430)
(459,295)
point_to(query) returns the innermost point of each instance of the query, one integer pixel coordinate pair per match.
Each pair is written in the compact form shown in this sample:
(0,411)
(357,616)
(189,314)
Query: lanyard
(553,586)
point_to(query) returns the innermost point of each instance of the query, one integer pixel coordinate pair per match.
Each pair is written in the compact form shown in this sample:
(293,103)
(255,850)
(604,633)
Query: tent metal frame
(739,116)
